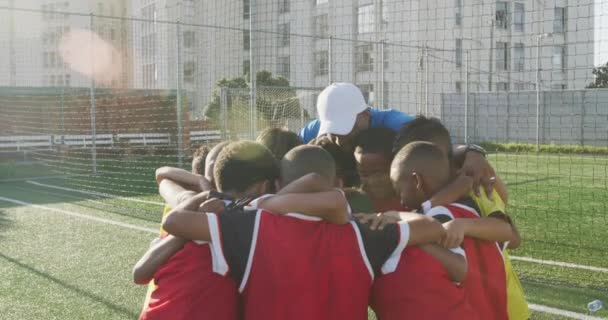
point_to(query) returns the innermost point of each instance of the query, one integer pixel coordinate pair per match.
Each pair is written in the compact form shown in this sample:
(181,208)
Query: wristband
(476,148)
(426,206)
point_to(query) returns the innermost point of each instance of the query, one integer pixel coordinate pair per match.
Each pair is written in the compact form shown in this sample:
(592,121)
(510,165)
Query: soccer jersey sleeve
(232,235)
(383,248)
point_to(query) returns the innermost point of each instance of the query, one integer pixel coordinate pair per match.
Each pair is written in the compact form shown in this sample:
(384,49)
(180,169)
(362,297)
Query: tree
(601,77)
(275,100)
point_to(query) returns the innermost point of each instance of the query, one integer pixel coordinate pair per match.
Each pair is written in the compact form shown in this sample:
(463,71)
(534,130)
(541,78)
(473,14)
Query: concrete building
(30,40)
(403,54)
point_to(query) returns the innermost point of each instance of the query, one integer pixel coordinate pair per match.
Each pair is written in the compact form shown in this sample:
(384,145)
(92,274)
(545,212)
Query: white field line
(30,178)
(535,307)
(82,216)
(560,264)
(94,193)
(563,313)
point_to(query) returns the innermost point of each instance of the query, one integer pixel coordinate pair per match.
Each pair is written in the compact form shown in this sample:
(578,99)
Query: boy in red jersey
(180,267)
(299,267)
(419,170)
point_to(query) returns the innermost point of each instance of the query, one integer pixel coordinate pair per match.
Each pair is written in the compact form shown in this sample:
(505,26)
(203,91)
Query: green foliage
(601,77)
(274,99)
(544,148)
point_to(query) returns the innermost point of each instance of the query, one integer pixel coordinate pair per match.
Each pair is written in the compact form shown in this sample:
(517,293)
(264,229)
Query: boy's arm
(330,206)
(195,182)
(312,182)
(186,222)
(501,189)
(422,229)
(455,190)
(173,193)
(454,263)
(488,228)
(155,257)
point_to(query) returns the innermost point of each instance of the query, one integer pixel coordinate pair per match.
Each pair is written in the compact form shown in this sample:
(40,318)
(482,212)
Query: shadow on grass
(5,222)
(73,288)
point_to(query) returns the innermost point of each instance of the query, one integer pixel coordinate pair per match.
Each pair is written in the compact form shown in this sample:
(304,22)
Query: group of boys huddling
(273,229)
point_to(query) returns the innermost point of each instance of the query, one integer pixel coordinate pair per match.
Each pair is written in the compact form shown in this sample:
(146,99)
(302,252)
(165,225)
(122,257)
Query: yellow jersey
(516,300)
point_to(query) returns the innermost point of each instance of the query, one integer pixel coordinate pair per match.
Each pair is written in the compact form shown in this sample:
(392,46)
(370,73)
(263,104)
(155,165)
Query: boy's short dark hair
(423,129)
(376,140)
(242,164)
(422,157)
(346,165)
(278,141)
(306,159)
(198,159)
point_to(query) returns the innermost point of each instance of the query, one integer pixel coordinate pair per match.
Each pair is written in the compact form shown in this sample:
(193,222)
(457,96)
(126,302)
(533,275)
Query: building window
(559,58)
(364,60)
(519,57)
(559,23)
(321,63)
(246,39)
(189,71)
(458,86)
(283,66)
(502,15)
(100,8)
(368,92)
(66,80)
(502,86)
(459,12)
(246,9)
(519,86)
(385,14)
(52,59)
(321,26)
(385,56)
(246,66)
(112,34)
(284,34)
(502,55)
(283,6)
(189,39)
(519,17)
(318,2)
(458,53)
(365,19)
(385,93)
(559,87)
(45,59)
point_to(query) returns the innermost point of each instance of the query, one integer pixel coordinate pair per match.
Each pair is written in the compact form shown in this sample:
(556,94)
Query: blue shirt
(390,118)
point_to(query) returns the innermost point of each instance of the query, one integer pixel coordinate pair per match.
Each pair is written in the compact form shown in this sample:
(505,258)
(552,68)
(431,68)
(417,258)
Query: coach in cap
(343,114)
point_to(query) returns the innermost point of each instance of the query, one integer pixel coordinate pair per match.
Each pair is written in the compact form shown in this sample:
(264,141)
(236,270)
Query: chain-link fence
(125,86)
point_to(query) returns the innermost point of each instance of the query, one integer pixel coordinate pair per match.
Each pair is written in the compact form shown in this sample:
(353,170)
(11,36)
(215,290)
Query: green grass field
(54,265)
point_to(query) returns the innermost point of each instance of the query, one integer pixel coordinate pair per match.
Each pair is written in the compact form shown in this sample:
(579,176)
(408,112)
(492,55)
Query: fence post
(426,80)
(466,99)
(252,74)
(538,93)
(330,68)
(223,113)
(381,95)
(92,96)
(178,107)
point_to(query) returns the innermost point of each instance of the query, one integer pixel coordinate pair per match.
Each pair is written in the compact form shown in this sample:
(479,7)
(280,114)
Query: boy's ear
(339,183)
(277,185)
(417,180)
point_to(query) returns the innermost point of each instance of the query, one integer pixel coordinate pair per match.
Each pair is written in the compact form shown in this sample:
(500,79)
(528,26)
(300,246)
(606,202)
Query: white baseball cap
(338,106)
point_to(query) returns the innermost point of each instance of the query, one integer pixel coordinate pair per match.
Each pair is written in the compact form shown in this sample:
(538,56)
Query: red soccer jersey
(486,283)
(298,267)
(419,287)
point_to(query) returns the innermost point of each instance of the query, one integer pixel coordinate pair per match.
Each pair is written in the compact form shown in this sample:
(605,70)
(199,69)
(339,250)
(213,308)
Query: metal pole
(252,74)
(491,58)
(426,80)
(92,96)
(330,68)
(538,92)
(466,99)
(381,95)
(223,113)
(62,100)
(178,107)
